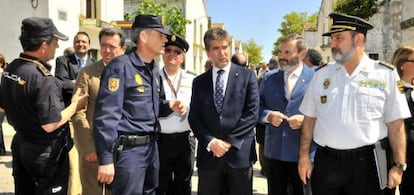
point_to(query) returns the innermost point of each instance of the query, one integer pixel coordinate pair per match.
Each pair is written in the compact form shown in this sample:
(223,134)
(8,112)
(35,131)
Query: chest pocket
(371,101)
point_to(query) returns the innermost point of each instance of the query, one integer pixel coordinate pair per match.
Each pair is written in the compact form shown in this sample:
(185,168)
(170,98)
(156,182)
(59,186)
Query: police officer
(350,105)
(176,145)
(128,104)
(32,100)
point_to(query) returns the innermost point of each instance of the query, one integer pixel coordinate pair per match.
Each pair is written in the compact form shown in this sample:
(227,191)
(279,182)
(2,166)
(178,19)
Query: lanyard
(170,84)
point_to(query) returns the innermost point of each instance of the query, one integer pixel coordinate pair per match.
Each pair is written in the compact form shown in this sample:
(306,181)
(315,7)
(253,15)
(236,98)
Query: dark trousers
(2,146)
(223,179)
(343,172)
(279,174)
(136,170)
(176,163)
(36,170)
(406,187)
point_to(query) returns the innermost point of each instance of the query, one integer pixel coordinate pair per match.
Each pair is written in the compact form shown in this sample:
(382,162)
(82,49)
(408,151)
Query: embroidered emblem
(113,84)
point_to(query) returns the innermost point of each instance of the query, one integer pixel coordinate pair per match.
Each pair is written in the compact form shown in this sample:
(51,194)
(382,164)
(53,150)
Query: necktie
(218,94)
(81,62)
(289,85)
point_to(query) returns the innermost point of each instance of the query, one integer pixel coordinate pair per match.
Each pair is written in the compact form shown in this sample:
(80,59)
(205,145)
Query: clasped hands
(276,118)
(219,147)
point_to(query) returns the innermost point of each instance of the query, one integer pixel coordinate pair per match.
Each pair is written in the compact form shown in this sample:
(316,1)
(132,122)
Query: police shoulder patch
(113,84)
(320,67)
(386,64)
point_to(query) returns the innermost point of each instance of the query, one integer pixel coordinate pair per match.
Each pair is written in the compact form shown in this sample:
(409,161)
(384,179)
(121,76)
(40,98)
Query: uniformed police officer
(350,105)
(128,104)
(33,103)
(176,145)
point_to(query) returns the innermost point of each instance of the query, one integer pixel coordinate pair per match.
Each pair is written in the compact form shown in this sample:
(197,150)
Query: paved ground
(6,179)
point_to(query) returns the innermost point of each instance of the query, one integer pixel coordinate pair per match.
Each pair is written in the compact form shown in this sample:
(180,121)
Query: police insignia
(173,38)
(113,84)
(323,99)
(138,79)
(400,86)
(326,83)
(141,88)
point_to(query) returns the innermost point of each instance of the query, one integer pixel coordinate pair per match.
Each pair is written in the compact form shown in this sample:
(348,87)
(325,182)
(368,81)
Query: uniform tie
(218,94)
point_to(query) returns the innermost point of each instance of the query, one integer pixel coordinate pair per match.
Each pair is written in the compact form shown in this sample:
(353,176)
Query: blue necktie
(219,93)
(81,62)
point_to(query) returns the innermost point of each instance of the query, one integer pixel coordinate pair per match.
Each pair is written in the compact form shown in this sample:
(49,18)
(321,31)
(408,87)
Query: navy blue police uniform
(31,97)
(126,126)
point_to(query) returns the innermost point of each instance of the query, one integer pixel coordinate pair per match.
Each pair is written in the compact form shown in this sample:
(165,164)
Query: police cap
(177,41)
(343,22)
(150,21)
(36,27)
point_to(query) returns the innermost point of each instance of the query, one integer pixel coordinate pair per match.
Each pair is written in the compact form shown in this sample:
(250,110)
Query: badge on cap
(113,84)
(400,86)
(173,38)
(326,84)
(323,99)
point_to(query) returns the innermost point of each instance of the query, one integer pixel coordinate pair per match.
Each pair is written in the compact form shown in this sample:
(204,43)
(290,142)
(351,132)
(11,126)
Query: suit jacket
(236,122)
(282,143)
(67,69)
(88,81)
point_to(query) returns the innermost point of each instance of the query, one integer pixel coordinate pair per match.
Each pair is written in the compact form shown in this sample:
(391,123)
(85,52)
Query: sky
(257,19)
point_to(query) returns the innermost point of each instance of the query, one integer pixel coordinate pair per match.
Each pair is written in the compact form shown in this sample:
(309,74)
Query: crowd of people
(123,125)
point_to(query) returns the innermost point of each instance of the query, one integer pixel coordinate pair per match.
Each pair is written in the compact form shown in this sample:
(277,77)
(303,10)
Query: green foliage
(362,8)
(293,23)
(253,51)
(173,16)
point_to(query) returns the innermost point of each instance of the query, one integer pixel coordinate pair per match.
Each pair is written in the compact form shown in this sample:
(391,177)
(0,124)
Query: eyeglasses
(174,51)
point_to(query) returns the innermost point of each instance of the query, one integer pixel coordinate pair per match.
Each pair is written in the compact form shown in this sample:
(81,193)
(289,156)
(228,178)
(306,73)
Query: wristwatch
(402,166)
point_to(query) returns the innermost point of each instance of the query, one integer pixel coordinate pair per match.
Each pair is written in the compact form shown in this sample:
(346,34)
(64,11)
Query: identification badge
(323,99)
(326,83)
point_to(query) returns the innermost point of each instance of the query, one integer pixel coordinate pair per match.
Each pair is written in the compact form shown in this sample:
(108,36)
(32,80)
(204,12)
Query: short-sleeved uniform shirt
(129,100)
(31,97)
(352,110)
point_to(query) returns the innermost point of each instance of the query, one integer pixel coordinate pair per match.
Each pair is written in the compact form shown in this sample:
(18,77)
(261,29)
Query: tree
(362,8)
(253,51)
(173,16)
(293,23)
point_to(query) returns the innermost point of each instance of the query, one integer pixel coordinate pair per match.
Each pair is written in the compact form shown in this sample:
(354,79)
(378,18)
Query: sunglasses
(174,51)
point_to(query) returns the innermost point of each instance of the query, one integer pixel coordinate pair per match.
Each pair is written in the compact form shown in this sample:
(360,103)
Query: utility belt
(354,153)
(174,136)
(136,140)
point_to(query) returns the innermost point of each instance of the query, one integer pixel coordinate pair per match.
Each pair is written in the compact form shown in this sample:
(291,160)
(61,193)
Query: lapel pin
(237,74)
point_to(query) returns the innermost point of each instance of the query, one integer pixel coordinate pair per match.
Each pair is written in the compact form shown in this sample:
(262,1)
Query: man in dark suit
(67,67)
(223,112)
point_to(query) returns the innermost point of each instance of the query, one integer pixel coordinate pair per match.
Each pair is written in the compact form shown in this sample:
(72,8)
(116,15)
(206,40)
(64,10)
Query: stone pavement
(7,185)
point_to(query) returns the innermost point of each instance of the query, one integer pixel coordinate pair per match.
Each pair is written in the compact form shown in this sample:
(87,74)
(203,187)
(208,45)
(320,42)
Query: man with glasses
(176,143)
(128,104)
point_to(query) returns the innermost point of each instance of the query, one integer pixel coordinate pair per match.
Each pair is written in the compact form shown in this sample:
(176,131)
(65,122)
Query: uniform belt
(349,153)
(174,136)
(137,140)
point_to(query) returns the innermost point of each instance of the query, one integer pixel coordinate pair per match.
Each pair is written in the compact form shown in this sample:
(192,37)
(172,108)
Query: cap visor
(61,36)
(163,31)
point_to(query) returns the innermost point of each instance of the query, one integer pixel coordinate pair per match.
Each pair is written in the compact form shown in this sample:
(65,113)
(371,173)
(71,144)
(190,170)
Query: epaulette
(190,72)
(386,64)
(39,65)
(320,67)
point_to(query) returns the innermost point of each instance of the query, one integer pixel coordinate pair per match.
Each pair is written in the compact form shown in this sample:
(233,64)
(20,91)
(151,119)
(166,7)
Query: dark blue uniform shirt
(31,97)
(129,100)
